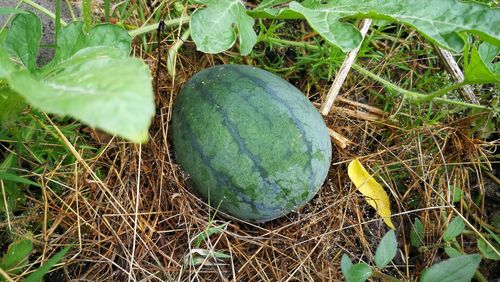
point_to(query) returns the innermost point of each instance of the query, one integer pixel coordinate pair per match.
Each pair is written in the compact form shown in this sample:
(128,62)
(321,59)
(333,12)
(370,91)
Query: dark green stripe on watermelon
(250,141)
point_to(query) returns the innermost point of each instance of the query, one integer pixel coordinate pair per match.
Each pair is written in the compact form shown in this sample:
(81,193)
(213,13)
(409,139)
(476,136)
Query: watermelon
(252,144)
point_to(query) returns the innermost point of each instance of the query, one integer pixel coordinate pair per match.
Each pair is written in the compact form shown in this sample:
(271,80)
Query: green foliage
(212,26)
(456,269)
(42,270)
(345,264)
(432,19)
(16,256)
(207,233)
(11,104)
(455,228)
(91,77)
(21,46)
(7,10)
(386,250)
(358,272)
(417,233)
(487,251)
(198,256)
(452,252)
(479,67)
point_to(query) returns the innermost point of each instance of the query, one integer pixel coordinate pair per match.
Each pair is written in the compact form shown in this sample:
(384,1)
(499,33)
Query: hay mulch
(137,218)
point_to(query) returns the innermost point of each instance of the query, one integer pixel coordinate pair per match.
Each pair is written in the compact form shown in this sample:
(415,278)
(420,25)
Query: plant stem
(413,96)
(87,14)
(152,27)
(419,97)
(172,52)
(43,10)
(70,8)
(107,10)
(384,277)
(441,92)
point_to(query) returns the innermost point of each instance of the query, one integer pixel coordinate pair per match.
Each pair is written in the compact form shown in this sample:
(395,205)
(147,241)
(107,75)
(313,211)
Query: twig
(371,109)
(490,175)
(357,114)
(339,139)
(343,71)
(137,194)
(6,275)
(7,213)
(452,67)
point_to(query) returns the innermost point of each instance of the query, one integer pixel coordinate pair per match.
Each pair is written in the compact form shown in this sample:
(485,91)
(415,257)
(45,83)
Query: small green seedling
(458,267)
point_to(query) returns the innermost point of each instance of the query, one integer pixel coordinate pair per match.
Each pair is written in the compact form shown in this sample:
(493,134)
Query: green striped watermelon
(253,145)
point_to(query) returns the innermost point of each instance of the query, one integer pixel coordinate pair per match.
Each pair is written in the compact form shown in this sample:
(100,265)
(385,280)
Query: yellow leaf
(371,189)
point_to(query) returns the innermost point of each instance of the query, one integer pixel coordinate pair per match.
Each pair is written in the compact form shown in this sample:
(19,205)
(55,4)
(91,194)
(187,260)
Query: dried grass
(138,222)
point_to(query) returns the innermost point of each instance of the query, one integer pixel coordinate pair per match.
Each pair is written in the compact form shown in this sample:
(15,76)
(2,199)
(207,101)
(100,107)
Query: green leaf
(6,67)
(454,229)
(7,11)
(212,27)
(457,194)
(3,35)
(487,251)
(479,67)
(442,22)
(220,255)
(11,105)
(112,36)
(111,94)
(15,178)
(452,252)
(23,39)
(457,269)
(417,233)
(207,233)
(345,264)
(386,250)
(72,39)
(495,236)
(17,255)
(42,270)
(358,272)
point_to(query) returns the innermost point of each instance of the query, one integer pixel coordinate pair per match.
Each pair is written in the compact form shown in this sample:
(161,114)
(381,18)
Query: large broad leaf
(112,36)
(213,26)
(72,39)
(104,91)
(6,11)
(374,194)
(457,269)
(23,39)
(439,21)
(386,250)
(479,67)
